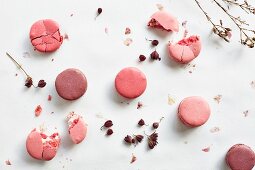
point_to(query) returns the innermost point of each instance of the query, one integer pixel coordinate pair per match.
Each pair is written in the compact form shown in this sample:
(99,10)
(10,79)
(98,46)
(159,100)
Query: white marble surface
(221,68)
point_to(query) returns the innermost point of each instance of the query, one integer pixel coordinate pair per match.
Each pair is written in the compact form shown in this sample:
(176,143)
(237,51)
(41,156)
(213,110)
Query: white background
(221,68)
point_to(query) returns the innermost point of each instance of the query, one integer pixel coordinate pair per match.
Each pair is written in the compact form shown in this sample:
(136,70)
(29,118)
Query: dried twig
(244,6)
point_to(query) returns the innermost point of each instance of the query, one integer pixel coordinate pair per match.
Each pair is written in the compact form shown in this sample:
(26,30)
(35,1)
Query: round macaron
(45,35)
(240,157)
(163,20)
(42,147)
(194,111)
(130,82)
(71,84)
(77,128)
(185,50)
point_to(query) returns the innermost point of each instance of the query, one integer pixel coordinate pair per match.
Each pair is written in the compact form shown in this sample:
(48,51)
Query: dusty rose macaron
(130,82)
(45,35)
(194,111)
(71,84)
(240,157)
(185,50)
(165,21)
(42,147)
(77,128)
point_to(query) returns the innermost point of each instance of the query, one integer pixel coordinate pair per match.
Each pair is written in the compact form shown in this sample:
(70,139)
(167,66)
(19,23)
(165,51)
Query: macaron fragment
(240,157)
(42,147)
(185,50)
(194,111)
(45,35)
(77,128)
(165,21)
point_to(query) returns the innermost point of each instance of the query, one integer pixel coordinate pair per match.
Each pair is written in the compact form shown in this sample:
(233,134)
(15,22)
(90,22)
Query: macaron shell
(166,20)
(240,157)
(130,82)
(71,84)
(45,35)
(34,145)
(194,111)
(78,132)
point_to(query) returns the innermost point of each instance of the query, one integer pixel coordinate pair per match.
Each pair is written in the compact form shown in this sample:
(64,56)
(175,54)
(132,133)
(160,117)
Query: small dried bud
(99,11)
(155,125)
(107,124)
(142,58)
(128,139)
(154,42)
(109,132)
(29,82)
(41,84)
(141,122)
(155,56)
(139,138)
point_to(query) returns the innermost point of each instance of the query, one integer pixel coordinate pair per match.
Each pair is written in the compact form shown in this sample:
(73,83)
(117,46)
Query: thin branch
(244,6)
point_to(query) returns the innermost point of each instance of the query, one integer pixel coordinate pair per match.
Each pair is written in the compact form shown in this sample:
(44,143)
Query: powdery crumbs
(127,31)
(66,37)
(38,110)
(106,30)
(218,98)
(128,41)
(215,129)
(160,7)
(8,162)
(207,149)
(245,113)
(253,84)
(133,159)
(26,54)
(171,100)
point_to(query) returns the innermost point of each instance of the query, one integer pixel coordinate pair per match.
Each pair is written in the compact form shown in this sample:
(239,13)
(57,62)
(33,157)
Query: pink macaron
(42,147)
(77,128)
(71,84)
(194,111)
(185,50)
(45,35)
(130,82)
(240,157)
(165,21)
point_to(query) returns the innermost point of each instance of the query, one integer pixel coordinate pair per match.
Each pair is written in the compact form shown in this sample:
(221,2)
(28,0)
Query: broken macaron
(185,50)
(71,84)
(45,35)
(165,21)
(77,128)
(42,147)
(240,157)
(194,111)
(130,82)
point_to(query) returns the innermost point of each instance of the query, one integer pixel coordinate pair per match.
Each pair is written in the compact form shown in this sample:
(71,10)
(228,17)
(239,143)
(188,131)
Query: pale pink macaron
(194,111)
(185,50)
(45,35)
(77,128)
(165,21)
(71,84)
(130,82)
(42,147)
(240,157)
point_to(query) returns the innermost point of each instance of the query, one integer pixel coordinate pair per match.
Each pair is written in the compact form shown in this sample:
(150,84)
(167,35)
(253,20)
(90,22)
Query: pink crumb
(133,159)
(127,31)
(7,162)
(49,97)
(139,105)
(38,110)
(66,37)
(206,149)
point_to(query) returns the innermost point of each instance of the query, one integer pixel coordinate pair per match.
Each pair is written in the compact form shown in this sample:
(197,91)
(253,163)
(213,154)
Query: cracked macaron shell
(194,111)
(77,128)
(40,149)
(130,82)
(45,35)
(185,50)
(164,20)
(240,157)
(71,84)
